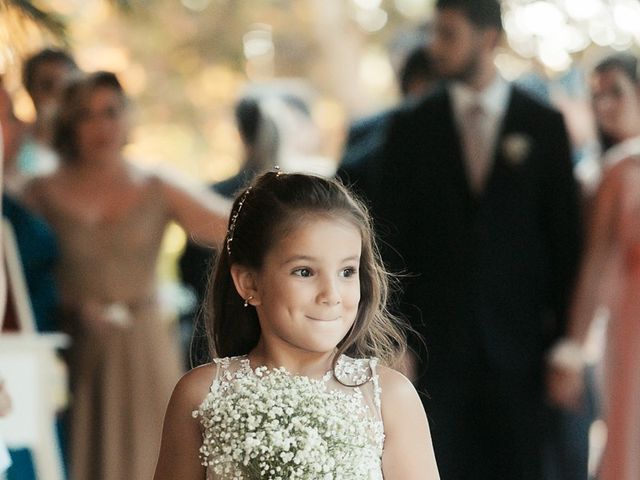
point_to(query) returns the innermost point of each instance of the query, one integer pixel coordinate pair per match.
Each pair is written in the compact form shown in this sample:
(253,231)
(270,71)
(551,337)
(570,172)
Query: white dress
(351,397)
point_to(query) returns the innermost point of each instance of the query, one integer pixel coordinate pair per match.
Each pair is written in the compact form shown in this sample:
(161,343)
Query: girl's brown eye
(349,272)
(302,272)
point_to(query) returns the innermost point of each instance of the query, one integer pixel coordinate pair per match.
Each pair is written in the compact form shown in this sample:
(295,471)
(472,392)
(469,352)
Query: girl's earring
(246,302)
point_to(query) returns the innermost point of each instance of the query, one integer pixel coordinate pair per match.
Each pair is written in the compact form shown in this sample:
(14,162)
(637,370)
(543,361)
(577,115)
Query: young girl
(298,299)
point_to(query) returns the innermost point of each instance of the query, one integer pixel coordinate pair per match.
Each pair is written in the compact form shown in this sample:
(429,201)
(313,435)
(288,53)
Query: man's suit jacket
(489,275)
(364,145)
(363,149)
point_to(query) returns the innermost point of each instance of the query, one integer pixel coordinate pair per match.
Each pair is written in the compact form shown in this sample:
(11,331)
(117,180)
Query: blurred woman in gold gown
(110,218)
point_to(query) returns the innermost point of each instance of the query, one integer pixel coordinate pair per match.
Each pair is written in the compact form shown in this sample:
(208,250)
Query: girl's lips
(322,319)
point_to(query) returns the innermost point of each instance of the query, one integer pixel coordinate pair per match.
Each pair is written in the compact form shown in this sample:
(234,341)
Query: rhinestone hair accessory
(234,219)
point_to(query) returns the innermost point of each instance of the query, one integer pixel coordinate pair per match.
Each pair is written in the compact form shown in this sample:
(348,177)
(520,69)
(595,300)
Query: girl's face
(102,125)
(616,104)
(308,288)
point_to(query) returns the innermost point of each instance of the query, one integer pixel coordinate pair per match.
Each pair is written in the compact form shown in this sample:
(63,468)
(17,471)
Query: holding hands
(565,375)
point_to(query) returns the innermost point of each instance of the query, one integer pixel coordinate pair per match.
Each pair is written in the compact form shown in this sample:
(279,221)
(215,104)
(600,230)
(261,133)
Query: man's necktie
(475,146)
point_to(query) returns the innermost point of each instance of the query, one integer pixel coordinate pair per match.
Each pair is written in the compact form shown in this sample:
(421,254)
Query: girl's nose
(329,295)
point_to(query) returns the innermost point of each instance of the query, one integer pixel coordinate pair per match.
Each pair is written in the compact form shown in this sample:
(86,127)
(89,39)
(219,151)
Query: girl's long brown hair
(274,204)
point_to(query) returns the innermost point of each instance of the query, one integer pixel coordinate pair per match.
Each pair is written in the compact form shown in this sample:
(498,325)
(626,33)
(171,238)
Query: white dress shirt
(493,102)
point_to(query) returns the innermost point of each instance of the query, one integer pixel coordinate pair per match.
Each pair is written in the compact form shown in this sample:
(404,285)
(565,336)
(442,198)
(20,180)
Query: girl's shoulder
(194,385)
(393,379)
(395,389)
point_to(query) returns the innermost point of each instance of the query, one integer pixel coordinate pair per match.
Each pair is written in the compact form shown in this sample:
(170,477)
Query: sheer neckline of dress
(353,372)
(261,370)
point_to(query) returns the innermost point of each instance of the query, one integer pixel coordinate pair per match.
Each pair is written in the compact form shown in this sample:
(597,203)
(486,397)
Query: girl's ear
(245,281)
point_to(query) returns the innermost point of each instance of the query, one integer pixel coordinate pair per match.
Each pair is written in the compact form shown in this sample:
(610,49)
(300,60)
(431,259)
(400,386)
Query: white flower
(273,425)
(516,147)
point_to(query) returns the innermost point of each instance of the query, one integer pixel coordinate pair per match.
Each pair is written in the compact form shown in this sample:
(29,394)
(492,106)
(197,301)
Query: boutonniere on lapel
(516,147)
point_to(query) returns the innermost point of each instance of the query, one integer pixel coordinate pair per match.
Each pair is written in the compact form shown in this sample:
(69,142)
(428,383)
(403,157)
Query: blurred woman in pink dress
(610,275)
(110,218)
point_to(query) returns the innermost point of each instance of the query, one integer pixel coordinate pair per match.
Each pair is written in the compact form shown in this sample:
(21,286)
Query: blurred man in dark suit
(476,194)
(367,135)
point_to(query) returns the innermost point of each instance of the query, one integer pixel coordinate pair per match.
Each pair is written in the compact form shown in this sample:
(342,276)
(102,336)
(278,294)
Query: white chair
(34,375)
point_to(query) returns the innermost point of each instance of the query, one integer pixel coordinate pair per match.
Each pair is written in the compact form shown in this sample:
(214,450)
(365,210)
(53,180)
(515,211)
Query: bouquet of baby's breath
(273,425)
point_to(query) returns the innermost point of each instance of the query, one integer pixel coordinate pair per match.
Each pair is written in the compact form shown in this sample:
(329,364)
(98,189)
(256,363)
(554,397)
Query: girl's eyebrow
(309,258)
(296,258)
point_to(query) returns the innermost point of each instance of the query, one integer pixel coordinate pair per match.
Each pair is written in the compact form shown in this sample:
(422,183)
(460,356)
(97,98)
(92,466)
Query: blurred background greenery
(185,62)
